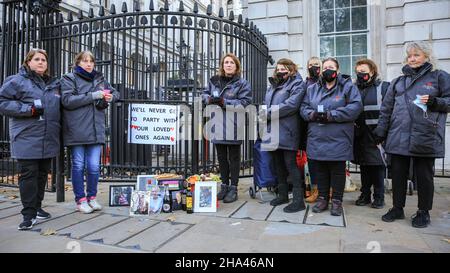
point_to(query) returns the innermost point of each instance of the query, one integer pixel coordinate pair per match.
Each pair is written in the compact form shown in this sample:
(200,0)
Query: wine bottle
(189,199)
(183,200)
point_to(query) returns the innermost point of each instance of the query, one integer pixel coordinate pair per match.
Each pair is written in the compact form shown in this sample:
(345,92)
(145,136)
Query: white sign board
(152,124)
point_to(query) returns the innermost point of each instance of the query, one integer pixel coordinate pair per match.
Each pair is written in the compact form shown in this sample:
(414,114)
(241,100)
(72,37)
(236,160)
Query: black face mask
(329,75)
(362,78)
(314,71)
(280,75)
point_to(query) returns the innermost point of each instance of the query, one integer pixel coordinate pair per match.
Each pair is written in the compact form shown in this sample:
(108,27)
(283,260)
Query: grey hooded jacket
(408,130)
(332,141)
(83,123)
(31,137)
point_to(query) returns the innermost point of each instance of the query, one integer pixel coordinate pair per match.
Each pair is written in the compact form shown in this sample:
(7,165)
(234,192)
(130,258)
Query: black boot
(393,214)
(298,203)
(223,191)
(364,199)
(282,197)
(231,195)
(421,219)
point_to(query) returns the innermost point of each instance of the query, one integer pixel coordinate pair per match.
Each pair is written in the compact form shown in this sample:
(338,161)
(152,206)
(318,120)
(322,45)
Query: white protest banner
(152,124)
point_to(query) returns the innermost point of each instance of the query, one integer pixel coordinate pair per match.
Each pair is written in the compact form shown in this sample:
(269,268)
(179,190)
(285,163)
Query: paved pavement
(246,226)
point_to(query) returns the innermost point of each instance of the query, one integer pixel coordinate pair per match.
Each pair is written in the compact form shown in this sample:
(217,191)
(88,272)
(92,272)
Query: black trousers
(424,170)
(32,182)
(286,166)
(373,176)
(229,157)
(330,174)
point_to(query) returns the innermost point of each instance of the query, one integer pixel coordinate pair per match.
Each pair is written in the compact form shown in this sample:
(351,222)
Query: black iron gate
(149,56)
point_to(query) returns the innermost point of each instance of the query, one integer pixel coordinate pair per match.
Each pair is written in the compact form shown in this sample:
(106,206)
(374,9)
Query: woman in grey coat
(31,99)
(331,106)
(230,92)
(85,97)
(283,100)
(412,122)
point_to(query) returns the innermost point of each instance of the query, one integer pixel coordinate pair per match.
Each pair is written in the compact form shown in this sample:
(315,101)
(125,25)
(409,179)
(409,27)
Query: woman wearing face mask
(314,69)
(283,100)
(366,153)
(331,106)
(31,100)
(85,96)
(412,122)
(228,90)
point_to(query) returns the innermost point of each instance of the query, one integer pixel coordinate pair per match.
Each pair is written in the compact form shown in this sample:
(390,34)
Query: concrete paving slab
(253,211)
(324,218)
(10,211)
(85,228)
(225,209)
(121,231)
(66,221)
(6,204)
(278,215)
(154,237)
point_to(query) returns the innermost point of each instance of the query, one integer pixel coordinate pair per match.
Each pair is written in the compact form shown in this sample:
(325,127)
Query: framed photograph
(139,203)
(205,197)
(176,200)
(120,195)
(145,182)
(173,184)
(156,199)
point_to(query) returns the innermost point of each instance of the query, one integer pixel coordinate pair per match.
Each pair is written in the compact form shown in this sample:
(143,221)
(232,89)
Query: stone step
(85,228)
(325,218)
(278,215)
(254,211)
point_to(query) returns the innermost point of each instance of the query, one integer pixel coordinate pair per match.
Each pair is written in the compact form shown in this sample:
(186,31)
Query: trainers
(377,203)
(393,214)
(42,214)
(320,205)
(27,224)
(223,191)
(336,207)
(363,200)
(94,204)
(421,219)
(83,206)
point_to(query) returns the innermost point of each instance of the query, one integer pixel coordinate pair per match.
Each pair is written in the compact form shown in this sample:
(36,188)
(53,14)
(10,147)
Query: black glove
(377,139)
(216,100)
(313,116)
(324,117)
(36,110)
(101,104)
(431,101)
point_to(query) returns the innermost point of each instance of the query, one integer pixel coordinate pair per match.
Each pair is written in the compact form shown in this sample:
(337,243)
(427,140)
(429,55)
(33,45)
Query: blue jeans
(85,157)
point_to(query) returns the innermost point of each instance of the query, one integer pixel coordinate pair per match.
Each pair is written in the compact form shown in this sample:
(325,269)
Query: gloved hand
(216,100)
(97,95)
(36,111)
(378,139)
(431,101)
(101,104)
(313,116)
(324,117)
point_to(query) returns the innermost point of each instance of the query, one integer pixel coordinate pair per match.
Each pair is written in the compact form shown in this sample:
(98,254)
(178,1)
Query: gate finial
(221,12)
(209,10)
(101,11)
(91,13)
(152,7)
(195,8)
(80,14)
(136,6)
(124,7)
(231,18)
(181,9)
(70,17)
(112,10)
(166,5)
(240,19)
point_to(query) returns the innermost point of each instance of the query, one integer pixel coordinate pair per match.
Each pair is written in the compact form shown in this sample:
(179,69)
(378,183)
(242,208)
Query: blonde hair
(83,55)
(290,65)
(30,56)
(314,58)
(235,60)
(423,46)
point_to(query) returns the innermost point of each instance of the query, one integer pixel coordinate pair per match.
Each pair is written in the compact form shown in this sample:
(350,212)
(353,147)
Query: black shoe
(294,207)
(393,214)
(41,214)
(336,207)
(27,224)
(223,191)
(231,195)
(421,219)
(279,201)
(377,203)
(321,205)
(363,200)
